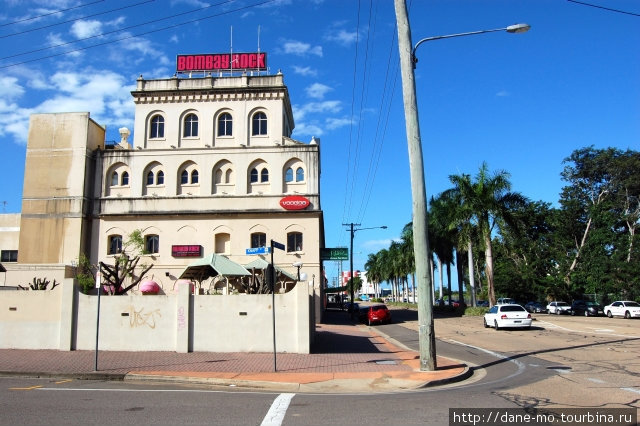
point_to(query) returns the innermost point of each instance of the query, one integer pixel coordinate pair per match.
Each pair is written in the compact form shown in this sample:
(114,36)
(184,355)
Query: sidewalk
(345,357)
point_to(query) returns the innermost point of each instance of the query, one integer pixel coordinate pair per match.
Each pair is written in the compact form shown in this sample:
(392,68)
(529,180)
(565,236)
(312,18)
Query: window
(264,175)
(160,178)
(223,243)
(9,256)
(294,241)
(114,179)
(299,174)
(190,126)
(184,177)
(115,244)
(225,123)
(125,178)
(259,124)
(194,176)
(258,239)
(150,178)
(152,244)
(288,176)
(254,175)
(157,127)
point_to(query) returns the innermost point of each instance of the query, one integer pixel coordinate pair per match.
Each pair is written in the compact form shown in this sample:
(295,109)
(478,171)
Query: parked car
(535,307)
(503,316)
(375,314)
(482,303)
(506,301)
(580,307)
(623,308)
(348,306)
(558,308)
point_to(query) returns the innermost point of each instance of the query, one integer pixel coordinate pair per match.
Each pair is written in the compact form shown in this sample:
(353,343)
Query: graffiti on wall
(140,318)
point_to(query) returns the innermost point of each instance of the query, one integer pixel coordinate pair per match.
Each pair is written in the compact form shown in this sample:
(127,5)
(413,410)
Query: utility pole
(426,332)
(351,283)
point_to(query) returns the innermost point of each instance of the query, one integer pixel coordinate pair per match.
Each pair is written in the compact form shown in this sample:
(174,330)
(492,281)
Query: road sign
(338,253)
(258,250)
(277,245)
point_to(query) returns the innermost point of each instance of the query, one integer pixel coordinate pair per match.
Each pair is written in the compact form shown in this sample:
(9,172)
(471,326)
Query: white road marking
(595,380)
(631,390)
(278,409)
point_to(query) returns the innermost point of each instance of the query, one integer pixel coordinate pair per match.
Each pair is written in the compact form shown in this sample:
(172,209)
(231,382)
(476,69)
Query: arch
(156,125)
(153,179)
(258,177)
(117,180)
(224,124)
(259,123)
(222,175)
(295,176)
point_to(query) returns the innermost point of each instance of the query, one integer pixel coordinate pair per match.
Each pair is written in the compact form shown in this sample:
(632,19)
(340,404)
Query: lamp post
(353,231)
(426,333)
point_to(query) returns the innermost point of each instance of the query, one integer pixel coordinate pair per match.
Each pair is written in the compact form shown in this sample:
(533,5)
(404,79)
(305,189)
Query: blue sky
(520,102)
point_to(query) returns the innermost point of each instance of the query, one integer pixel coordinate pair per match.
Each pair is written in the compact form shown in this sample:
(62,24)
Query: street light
(353,231)
(426,333)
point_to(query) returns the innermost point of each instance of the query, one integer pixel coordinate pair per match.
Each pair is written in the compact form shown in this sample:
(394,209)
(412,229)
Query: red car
(375,314)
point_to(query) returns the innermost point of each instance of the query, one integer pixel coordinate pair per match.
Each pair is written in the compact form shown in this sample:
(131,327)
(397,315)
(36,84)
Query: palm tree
(374,270)
(442,236)
(486,203)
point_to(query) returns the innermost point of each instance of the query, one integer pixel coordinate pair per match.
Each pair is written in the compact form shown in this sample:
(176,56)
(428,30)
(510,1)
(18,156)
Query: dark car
(535,307)
(375,314)
(580,307)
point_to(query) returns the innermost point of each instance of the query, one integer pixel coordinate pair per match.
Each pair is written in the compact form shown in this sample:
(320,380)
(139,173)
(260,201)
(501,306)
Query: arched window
(294,241)
(184,177)
(264,175)
(225,124)
(190,126)
(150,178)
(288,176)
(299,174)
(125,178)
(114,179)
(160,178)
(194,176)
(254,175)
(259,124)
(157,127)
(115,244)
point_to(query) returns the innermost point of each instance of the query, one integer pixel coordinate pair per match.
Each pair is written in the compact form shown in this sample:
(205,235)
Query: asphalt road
(562,362)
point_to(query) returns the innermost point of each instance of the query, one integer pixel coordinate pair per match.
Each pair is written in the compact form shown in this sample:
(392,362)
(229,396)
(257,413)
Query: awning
(260,263)
(211,266)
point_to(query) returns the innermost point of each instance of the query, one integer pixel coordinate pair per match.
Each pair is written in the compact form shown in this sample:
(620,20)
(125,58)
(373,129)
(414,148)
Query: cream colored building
(210,164)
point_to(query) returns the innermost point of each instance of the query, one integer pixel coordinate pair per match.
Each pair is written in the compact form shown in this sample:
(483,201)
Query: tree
(114,276)
(487,203)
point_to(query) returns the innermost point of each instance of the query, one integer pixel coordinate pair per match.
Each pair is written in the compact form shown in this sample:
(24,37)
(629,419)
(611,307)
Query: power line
(50,13)
(76,19)
(138,35)
(605,8)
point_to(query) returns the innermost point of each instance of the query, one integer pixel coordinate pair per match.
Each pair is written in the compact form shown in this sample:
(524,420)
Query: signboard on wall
(186,250)
(220,62)
(294,202)
(337,253)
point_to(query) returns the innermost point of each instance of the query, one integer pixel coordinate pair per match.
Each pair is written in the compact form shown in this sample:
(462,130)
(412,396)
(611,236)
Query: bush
(475,311)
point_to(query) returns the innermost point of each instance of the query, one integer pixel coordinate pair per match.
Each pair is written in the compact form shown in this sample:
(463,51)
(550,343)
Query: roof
(260,263)
(212,265)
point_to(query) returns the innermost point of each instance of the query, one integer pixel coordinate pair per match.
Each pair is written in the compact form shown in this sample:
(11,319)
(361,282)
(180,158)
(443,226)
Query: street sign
(338,253)
(258,250)
(277,245)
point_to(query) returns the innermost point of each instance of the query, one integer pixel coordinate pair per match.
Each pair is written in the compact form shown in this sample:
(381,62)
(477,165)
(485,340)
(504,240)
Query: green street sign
(339,253)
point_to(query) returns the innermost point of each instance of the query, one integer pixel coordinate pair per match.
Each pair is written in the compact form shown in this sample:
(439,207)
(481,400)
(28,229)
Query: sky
(522,103)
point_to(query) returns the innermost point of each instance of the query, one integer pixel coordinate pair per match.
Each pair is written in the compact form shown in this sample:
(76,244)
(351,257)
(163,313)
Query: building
(212,169)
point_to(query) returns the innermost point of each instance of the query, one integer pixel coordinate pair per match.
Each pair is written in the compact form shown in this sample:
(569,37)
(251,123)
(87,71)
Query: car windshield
(512,308)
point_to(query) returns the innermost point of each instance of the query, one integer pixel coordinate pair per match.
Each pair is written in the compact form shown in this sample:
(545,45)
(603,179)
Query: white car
(558,308)
(624,308)
(506,316)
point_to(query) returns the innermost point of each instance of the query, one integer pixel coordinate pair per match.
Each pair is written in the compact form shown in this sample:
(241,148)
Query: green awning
(211,266)
(260,263)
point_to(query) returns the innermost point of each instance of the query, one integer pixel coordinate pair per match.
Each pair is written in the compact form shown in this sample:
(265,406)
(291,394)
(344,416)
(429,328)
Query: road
(562,362)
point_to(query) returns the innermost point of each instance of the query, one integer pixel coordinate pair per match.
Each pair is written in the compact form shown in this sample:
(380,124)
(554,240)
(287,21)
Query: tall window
(299,174)
(190,126)
(259,124)
(222,243)
(184,177)
(254,175)
(157,127)
(125,178)
(115,244)
(160,178)
(258,239)
(194,176)
(294,241)
(9,256)
(225,124)
(288,176)
(152,244)
(264,175)
(150,178)
(114,179)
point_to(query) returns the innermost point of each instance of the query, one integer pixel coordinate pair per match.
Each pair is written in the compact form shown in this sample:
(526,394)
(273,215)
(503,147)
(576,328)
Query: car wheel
(557,311)
(573,313)
(586,313)
(495,325)
(484,321)
(627,315)
(609,314)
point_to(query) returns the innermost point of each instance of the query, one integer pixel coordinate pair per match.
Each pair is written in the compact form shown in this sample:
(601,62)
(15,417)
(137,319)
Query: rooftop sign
(218,62)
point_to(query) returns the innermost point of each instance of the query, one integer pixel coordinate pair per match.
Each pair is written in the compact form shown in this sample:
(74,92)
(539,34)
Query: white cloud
(336,123)
(302,49)
(343,37)
(84,29)
(303,129)
(9,88)
(317,90)
(503,93)
(305,71)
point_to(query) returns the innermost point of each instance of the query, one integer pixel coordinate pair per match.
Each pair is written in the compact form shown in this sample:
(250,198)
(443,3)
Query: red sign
(222,62)
(186,250)
(294,202)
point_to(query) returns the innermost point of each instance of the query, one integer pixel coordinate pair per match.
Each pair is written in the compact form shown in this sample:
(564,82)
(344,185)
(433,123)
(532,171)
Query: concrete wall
(64,319)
